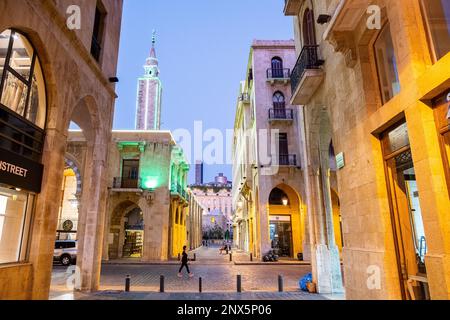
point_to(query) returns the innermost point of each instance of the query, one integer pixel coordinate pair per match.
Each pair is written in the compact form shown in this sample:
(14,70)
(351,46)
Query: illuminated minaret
(148,106)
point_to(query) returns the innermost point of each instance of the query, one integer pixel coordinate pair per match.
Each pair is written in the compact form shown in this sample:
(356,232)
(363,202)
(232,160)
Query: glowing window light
(151,183)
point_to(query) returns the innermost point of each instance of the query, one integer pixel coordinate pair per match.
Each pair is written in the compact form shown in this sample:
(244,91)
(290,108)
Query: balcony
(177,190)
(292,7)
(245,98)
(122,183)
(278,75)
(289,160)
(306,76)
(281,114)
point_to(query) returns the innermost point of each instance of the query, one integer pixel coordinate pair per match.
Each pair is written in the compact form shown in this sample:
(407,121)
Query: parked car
(65,252)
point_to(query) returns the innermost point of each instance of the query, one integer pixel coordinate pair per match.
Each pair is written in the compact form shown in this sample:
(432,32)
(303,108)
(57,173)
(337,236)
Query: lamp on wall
(285,201)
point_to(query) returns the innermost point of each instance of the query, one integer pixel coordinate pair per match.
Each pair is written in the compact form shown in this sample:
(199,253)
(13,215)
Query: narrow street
(219,277)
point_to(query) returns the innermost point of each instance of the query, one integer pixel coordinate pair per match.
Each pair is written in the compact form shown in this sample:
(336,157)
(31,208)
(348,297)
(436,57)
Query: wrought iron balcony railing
(178,189)
(288,160)
(308,59)
(281,114)
(245,97)
(278,73)
(126,183)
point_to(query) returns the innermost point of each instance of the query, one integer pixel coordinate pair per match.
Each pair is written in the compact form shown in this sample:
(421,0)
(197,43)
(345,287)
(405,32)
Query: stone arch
(337,219)
(116,227)
(286,215)
(85,114)
(72,164)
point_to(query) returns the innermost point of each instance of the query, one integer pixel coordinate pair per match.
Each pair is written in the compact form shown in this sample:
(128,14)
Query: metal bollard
(280,283)
(239,283)
(195,257)
(251,256)
(200,288)
(161,284)
(231,257)
(127,283)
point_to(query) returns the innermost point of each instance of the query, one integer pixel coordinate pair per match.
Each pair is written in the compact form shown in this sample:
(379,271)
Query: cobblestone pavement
(217,272)
(193,296)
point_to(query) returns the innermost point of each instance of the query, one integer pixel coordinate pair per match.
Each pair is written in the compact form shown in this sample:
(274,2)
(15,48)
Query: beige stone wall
(347,108)
(77,89)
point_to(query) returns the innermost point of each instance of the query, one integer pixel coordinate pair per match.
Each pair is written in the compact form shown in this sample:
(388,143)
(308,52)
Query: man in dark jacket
(184,263)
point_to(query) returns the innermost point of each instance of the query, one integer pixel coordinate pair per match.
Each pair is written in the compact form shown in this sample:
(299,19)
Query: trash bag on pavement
(304,281)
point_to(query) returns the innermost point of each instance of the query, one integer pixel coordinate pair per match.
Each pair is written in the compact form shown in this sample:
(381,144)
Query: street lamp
(285,201)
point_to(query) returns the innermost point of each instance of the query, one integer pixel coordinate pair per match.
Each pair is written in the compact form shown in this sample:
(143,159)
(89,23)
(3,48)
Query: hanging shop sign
(340,160)
(20,172)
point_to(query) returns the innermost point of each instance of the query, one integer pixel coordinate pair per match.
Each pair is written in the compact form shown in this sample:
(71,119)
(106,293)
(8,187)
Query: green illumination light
(151,183)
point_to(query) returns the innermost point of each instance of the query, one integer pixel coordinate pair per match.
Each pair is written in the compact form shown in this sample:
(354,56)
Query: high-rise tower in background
(148,106)
(199,173)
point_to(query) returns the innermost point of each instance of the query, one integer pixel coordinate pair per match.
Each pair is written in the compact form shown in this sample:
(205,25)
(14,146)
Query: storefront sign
(340,161)
(20,172)
(280,218)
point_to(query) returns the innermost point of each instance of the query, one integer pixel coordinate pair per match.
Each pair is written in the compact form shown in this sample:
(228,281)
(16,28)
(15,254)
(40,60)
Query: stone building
(148,204)
(372,80)
(194,222)
(53,72)
(215,195)
(269,195)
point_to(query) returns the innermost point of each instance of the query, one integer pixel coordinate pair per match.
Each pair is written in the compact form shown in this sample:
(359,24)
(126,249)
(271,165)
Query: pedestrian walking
(184,263)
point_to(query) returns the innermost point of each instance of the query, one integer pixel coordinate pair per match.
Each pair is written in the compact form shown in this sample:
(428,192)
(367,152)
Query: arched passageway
(127,231)
(286,223)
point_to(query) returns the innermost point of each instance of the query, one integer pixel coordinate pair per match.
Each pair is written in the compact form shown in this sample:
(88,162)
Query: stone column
(332,261)
(45,221)
(92,217)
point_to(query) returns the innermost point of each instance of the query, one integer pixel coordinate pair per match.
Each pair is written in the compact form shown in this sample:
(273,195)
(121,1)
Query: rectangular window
(15,212)
(130,174)
(97,35)
(437,18)
(386,65)
(283,149)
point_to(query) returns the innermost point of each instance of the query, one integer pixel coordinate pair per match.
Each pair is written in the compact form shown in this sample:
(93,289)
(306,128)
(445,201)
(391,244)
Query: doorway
(407,223)
(281,235)
(134,234)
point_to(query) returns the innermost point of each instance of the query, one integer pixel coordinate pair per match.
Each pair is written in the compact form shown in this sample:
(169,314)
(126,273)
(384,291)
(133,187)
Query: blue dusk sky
(202,47)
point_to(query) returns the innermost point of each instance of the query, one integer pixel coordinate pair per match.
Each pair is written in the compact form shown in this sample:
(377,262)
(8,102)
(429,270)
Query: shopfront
(134,234)
(406,216)
(22,122)
(281,235)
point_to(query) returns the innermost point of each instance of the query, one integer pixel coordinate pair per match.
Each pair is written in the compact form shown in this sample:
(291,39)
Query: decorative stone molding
(343,41)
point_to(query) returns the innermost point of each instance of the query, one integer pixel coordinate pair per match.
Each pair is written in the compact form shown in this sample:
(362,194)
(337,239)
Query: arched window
(22,87)
(278,197)
(309,36)
(277,67)
(279,102)
(279,105)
